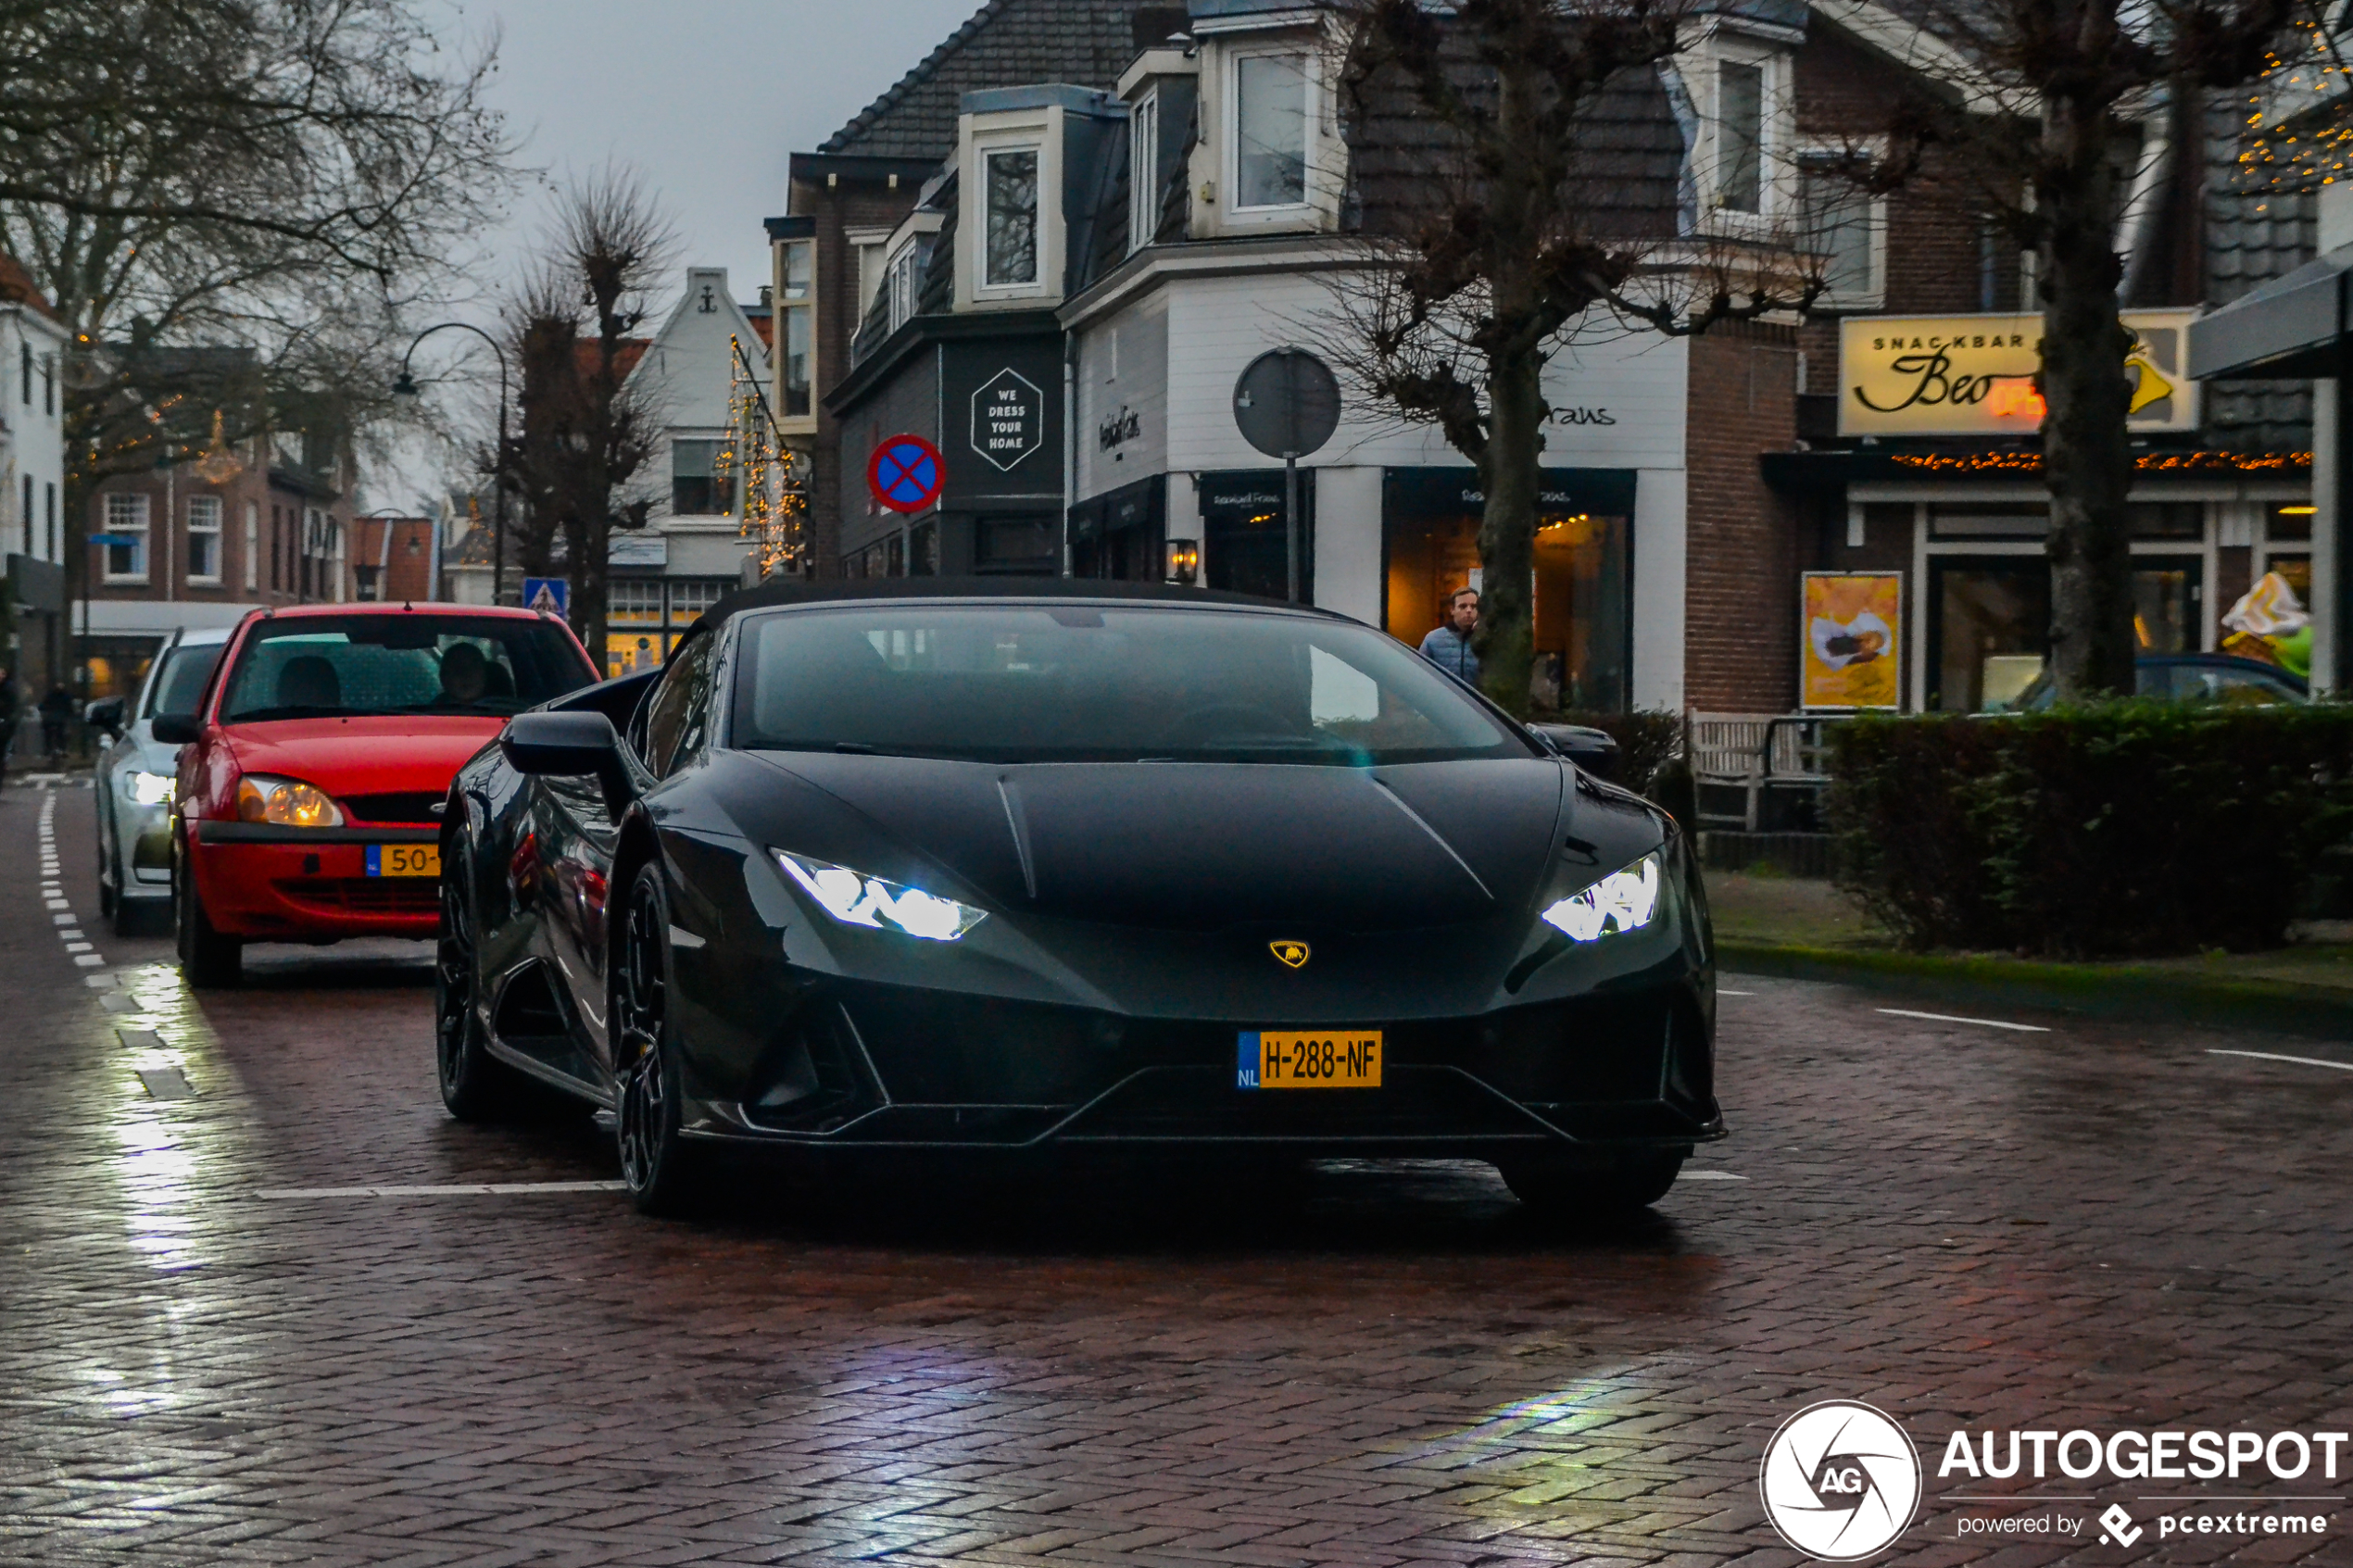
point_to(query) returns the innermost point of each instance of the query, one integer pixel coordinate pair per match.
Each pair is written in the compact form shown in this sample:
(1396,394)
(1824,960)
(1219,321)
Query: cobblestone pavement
(2100,1227)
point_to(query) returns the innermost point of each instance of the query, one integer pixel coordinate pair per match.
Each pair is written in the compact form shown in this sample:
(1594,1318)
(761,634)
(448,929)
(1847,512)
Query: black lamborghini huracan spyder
(923,864)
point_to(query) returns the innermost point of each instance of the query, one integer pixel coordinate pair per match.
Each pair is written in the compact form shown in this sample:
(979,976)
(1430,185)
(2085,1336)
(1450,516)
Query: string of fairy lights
(774,489)
(2299,134)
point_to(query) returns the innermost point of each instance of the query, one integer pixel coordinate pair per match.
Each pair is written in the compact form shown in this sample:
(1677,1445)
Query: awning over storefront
(2289,329)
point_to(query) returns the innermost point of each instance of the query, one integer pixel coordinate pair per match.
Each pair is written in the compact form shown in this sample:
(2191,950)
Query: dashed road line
(450,1189)
(1950,1018)
(165,1083)
(1709,1176)
(2274,1056)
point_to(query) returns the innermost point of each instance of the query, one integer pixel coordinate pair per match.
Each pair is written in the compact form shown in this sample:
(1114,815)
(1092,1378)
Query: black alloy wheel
(209,961)
(1570,1190)
(662,1172)
(475,1086)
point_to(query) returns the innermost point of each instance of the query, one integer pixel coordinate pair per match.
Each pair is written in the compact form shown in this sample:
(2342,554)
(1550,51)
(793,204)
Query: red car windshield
(319,667)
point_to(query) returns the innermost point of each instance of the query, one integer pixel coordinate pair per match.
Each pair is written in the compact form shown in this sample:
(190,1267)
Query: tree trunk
(1510,471)
(2088,454)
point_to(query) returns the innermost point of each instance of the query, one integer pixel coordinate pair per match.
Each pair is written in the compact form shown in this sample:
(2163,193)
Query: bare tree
(587,430)
(2054,100)
(1502,212)
(232,204)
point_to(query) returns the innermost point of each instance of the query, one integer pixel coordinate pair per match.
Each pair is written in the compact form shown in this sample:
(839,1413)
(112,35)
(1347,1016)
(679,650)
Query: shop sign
(1850,644)
(1974,375)
(1009,419)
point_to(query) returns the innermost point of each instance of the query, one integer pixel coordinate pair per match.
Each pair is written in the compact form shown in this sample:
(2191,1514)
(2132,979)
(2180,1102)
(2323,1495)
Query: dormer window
(1143,170)
(1271,116)
(1746,175)
(1740,127)
(900,279)
(1009,257)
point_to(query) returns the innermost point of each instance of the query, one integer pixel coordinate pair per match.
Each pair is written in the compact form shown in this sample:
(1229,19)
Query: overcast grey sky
(706,97)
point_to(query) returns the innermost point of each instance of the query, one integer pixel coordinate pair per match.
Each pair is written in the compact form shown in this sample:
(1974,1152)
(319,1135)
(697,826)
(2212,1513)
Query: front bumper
(877,1066)
(266,884)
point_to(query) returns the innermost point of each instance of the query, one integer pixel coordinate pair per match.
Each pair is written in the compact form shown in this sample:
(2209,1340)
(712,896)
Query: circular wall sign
(906,473)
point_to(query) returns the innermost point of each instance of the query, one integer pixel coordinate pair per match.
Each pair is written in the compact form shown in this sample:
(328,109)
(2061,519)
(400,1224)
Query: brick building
(1700,496)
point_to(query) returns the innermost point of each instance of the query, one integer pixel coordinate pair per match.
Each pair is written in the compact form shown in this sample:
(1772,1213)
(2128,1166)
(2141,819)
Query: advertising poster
(1850,654)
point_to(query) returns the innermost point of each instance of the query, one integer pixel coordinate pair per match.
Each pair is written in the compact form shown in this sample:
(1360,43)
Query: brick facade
(281,565)
(1739,577)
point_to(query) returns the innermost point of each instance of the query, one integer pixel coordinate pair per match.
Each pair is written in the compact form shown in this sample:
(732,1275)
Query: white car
(134,782)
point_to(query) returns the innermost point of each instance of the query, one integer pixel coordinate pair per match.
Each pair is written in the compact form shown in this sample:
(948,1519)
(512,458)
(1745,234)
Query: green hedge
(2113,829)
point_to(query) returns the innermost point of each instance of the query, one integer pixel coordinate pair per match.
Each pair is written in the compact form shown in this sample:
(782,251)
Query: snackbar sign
(1974,375)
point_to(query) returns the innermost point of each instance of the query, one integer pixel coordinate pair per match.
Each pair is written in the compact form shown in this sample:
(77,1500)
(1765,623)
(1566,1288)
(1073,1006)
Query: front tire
(1616,1189)
(475,1086)
(209,961)
(664,1173)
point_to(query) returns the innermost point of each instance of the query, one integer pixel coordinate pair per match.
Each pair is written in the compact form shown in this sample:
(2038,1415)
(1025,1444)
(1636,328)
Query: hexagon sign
(1009,419)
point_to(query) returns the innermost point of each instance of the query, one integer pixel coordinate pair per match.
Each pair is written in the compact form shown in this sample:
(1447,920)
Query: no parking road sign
(906,473)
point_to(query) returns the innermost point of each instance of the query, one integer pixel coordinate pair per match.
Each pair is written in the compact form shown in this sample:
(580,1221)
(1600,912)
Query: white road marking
(455,1189)
(165,1083)
(1721,992)
(1709,1176)
(1982,1022)
(2274,1056)
(88,960)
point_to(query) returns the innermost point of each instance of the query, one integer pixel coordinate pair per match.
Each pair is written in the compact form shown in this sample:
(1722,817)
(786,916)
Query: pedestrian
(7,717)
(1449,647)
(57,711)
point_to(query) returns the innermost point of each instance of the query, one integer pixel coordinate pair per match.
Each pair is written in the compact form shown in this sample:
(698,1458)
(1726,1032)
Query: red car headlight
(286,803)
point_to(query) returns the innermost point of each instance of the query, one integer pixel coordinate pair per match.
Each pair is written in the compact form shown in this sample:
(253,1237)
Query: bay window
(1009,251)
(1269,130)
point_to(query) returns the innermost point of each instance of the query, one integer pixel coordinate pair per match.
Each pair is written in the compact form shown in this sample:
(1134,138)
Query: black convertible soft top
(804,591)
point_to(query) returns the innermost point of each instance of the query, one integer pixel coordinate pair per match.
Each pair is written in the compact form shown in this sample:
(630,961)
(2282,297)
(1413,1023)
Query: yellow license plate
(1270,1059)
(404,860)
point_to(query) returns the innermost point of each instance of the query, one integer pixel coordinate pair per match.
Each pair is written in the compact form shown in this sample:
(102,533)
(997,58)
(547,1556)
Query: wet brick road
(2100,1227)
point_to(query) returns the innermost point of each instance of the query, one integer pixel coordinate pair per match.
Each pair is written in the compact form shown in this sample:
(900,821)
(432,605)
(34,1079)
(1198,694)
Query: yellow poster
(1850,655)
(1974,375)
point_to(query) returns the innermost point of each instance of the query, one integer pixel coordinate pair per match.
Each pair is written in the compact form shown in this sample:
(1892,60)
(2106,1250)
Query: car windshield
(313,666)
(181,683)
(1067,682)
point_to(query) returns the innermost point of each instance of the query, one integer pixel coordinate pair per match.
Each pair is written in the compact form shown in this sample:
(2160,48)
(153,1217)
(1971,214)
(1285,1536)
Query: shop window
(1582,626)
(1143,170)
(1245,548)
(695,489)
(627,653)
(926,546)
(1990,631)
(2291,521)
(1010,255)
(1989,519)
(2166,520)
(2167,597)
(635,603)
(1270,130)
(689,596)
(1023,544)
(204,539)
(127,521)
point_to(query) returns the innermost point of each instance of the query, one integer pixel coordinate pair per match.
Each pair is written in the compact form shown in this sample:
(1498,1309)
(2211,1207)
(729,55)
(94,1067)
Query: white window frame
(1875,297)
(209,509)
(1010,147)
(872,249)
(128,512)
(1776,167)
(253,546)
(1229,126)
(1143,169)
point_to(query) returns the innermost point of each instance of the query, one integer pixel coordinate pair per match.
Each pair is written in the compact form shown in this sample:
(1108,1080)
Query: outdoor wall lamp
(1184,561)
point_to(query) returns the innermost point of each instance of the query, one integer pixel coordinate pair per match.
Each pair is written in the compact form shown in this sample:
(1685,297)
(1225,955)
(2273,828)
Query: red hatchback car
(316,766)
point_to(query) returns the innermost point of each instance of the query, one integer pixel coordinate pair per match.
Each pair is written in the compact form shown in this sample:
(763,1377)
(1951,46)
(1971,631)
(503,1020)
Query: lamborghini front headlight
(1624,900)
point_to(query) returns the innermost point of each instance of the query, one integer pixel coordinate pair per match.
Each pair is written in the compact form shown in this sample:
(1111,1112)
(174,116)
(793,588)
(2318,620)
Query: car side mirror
(569,746)
(105,714)
(1594,750)
(176,729)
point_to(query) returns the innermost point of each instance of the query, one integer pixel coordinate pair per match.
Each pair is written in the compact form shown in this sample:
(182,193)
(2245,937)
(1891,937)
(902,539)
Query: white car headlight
(855,898)
(1621,901)
(147,789)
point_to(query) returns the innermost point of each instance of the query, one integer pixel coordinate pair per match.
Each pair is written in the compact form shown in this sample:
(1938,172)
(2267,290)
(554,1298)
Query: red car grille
(365,894)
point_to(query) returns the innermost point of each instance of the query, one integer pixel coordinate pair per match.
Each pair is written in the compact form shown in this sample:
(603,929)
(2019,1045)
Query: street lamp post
(406,386)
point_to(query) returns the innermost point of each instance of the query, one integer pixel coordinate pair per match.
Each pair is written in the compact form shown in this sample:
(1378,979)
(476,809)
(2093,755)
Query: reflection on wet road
(262,1303)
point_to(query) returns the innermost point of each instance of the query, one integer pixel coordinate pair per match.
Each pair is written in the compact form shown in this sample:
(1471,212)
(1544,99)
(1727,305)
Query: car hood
(1197,847)
(392,753)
